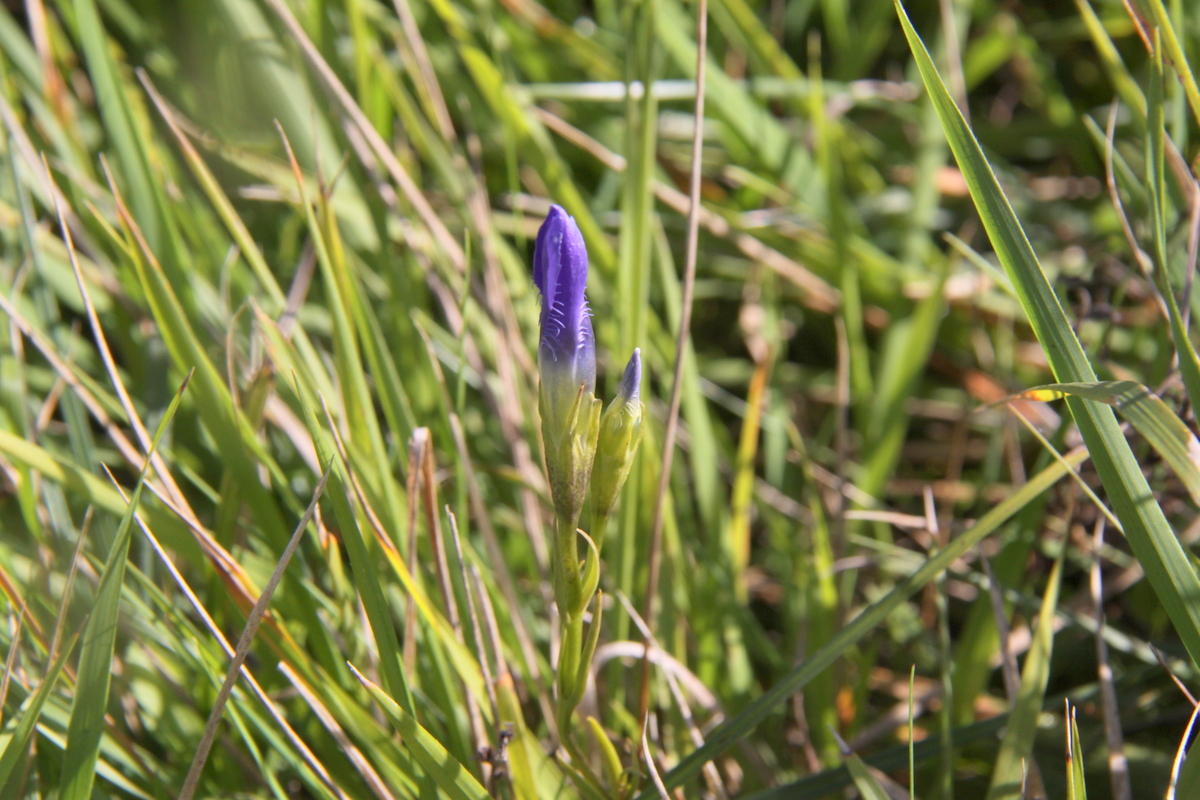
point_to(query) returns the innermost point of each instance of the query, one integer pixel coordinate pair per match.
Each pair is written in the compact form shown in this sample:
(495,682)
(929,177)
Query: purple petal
(560,266)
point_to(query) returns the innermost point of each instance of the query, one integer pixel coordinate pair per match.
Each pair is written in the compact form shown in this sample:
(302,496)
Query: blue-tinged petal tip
(631,381)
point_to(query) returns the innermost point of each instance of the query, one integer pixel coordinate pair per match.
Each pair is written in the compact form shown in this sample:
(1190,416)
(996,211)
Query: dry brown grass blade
(1008,661)
(429,82)
(712,777)
(648,758)
(428,498)
(473,612)
(9,587)
(478,730)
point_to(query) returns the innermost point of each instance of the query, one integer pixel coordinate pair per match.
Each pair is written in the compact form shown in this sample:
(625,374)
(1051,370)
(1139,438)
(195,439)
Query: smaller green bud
(620,435)
(570,452)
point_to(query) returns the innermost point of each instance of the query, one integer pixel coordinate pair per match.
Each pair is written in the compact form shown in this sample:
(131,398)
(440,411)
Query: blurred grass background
(326,208)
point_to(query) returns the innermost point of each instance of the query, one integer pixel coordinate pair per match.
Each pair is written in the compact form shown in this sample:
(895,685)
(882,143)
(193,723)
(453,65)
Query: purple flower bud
(567,349)
(567,363)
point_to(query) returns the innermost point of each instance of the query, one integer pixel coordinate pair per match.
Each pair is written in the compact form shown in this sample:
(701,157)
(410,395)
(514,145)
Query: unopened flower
(620,434)
(566,361)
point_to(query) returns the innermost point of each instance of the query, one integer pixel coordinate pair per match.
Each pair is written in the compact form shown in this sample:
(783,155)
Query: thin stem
(685,321)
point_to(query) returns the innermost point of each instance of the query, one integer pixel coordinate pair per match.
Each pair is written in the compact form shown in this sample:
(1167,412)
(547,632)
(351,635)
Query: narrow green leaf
(1149,415)
(1156,147)
(732,731)
(27,720)
(1017,746)
(867,784)
(825,784)
(366,577)
(1149,534)
(114,110)
(450,776)
(1076,784)
(1189,775)
(1118,73)
(99,640)
(1178,59)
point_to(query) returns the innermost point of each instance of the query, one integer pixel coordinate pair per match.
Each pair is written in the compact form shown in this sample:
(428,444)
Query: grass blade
(1017,746)
(1076,785)
(729,733)
(361,562)
(1149,534)
(450,776)
(1149,415)
(99,640)
(867,784)
(22,732)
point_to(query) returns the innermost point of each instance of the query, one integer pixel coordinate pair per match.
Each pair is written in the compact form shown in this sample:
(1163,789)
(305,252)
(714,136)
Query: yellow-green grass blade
(85,486)
(291,101)
(1076,784)
(1149,415)
(1146,527)
(449,775)
(1017,746)
(20,733)
(753,125)
(340,286)
(1118,73)
(1156,144)
(867,784)
(99,639)
(1170,40)
(366,576)
(112,103)
(732,731)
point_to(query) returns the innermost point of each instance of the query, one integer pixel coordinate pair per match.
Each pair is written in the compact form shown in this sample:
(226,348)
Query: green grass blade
(99,639)
(1118,73)
(867,784)
(1149,415)
(365,575)
(1156,157)
(1017,746)
(1149,534)
(1175,51)
(1076,783)
(450,776)
(114,110)
(27,720)
(729,733)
